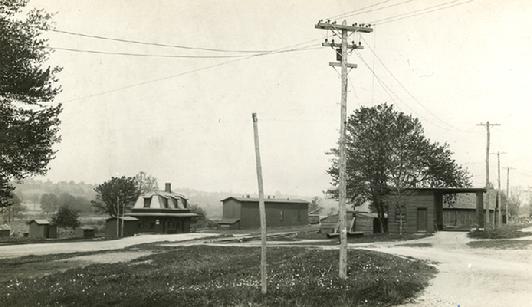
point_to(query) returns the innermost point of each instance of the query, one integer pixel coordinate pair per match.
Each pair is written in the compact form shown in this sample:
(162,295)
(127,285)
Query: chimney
(168,187)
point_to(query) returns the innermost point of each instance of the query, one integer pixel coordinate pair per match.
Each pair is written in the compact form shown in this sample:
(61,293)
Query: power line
(363,11)
(357,10)
(406,89)
(278,51)
(420,12)
(144,54)
(130,41)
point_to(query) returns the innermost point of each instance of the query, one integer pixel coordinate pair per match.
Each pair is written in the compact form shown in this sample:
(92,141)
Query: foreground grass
(508,231)
(228,276)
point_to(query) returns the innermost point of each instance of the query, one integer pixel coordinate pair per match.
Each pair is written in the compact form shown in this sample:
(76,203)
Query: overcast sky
(465,64)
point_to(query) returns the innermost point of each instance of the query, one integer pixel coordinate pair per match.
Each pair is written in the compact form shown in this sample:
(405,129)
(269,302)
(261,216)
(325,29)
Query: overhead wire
(415,13)
(292,48)
(414,98)
(131,41)
(371,10)
(144,54)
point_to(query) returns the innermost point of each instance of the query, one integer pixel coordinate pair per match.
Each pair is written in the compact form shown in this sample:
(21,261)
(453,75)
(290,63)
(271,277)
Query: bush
(66,217)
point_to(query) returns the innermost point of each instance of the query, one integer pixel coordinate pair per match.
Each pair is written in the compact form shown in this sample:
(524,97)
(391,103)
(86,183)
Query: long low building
(243,212)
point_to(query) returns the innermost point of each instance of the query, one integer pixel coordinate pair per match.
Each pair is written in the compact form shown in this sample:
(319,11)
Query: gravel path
(469,277)
(11,251)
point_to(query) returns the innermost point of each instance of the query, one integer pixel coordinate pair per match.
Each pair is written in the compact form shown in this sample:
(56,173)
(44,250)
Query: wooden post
(122,223)
(487,175)
(499,220)
(507,194)
(262,210)
(117,217)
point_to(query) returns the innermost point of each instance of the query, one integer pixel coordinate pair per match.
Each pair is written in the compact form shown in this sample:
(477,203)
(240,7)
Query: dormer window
(175,203)
(147,202)
(165,202)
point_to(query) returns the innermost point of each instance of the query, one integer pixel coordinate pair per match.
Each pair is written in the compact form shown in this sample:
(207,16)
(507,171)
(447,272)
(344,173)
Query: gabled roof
(267,200)
(448,190)
(162,214)
(125,218)
(39,222)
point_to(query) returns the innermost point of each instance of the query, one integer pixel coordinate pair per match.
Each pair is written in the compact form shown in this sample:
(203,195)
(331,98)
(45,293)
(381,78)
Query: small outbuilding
(122,227)
(42,229)
(5,230)
(87,232)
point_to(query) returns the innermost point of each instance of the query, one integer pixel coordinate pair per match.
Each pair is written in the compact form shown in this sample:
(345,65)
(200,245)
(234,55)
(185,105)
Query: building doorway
(421,219)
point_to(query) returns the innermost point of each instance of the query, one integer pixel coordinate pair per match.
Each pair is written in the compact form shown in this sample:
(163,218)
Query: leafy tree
(28,119)
(49,203)
(115,195)
(146,183)
(66,217)
(387,151)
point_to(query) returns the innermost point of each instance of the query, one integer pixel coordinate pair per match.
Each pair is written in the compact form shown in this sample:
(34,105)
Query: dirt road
(11,251)
(468,276)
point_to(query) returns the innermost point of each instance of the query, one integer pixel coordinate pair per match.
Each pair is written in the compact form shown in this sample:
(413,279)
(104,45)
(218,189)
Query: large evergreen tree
(388,151)
(28,118)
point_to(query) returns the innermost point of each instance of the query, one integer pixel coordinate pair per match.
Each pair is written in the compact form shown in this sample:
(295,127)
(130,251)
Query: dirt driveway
(468,276)
(11,251)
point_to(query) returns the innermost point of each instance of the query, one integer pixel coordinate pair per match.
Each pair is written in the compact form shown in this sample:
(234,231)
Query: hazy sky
(466,64)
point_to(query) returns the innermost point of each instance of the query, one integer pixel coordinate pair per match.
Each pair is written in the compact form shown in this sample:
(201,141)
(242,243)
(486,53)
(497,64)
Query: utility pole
(117,217)
(343,31)
(487,218)
(507,193)
(499,219)
(262,210)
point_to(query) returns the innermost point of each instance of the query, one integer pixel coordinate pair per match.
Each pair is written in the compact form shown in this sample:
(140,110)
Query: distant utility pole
(507,192)
(118,217)
(344,31)
(262,210)
(499,219)
(487,218)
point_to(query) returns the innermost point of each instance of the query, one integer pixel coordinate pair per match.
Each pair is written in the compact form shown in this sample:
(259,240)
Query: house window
(147,202)
(165,202)
(174,201)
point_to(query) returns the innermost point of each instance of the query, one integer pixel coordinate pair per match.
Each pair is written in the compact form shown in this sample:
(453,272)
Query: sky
(184,123)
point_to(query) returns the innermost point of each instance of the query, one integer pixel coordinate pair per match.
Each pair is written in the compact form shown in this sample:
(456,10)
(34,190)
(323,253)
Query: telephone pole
(262,210)
(499,216)
(343,31)
(487,217)
(507,193)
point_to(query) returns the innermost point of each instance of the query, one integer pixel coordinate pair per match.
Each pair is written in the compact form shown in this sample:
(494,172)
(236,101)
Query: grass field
(221,276)
(508,231)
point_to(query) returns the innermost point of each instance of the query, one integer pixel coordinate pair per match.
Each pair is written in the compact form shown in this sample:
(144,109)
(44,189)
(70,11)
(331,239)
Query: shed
(88,232)
(113,227)
(228,224)
(42,229)
(5,230)
(314,217)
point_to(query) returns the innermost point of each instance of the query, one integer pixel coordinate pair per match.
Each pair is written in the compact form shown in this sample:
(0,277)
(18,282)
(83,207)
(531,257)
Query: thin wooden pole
(262,210)
(507,194)
(117,217)
(487,175)
(342,266)
(499,220)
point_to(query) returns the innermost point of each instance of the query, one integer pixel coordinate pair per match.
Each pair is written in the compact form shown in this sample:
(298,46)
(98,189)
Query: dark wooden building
(422,209)
(114,227)
(162,212)
(42,229)
(243,212)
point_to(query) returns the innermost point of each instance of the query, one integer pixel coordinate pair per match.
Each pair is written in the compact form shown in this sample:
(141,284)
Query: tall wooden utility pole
(499,216)
(343,31)
(507,193)
(487,218)
(117,217)
(262,210)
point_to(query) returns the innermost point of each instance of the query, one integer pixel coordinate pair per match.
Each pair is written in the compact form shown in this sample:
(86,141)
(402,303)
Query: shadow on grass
(502,244)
